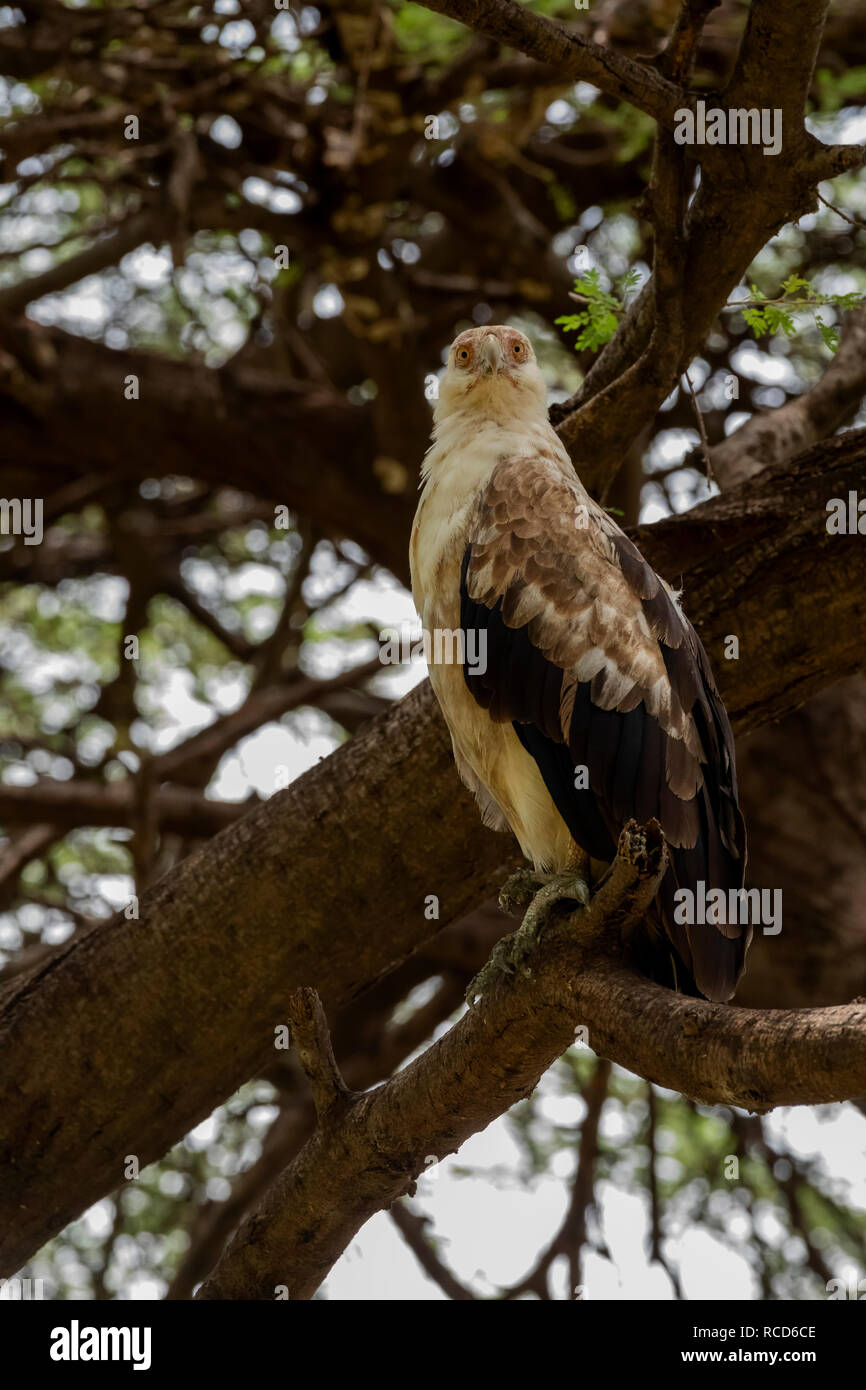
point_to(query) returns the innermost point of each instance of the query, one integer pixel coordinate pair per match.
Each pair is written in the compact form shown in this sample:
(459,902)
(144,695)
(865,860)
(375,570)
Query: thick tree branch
(315,452)
(492,1057)
(373,1049)
(496,1054)
(642,364)
(157,1021)
(516,26)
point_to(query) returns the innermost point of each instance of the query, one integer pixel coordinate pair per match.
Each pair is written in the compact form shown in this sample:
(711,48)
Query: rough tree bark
(156,1021)
(369,1148)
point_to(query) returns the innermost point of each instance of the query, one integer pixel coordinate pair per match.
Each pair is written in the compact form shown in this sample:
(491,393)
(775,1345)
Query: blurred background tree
(235,242)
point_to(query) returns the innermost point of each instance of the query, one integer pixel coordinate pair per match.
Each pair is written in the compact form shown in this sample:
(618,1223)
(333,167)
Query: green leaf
(779,319)
(829,334)
(629,280)
(796,282)
(597,323)
(756,321)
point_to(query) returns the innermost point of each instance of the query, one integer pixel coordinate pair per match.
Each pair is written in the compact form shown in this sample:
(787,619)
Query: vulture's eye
(463,355)
(518,350)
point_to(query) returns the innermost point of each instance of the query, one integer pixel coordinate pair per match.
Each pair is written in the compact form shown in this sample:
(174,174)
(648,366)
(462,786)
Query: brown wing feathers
(591,660)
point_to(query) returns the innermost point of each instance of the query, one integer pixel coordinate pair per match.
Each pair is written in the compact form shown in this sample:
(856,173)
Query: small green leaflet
(765,316)
(597,322)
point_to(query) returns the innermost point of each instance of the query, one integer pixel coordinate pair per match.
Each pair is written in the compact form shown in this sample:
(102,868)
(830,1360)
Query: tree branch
(173,1012)
(373,1049)
(311,1040)
(496,1054)
(101,254)
(492,1057)
(412,1227)
(518,27)
(76,803)
(640,366)
(771,437)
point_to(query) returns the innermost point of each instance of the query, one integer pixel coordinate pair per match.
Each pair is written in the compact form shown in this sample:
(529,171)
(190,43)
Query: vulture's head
(492,370)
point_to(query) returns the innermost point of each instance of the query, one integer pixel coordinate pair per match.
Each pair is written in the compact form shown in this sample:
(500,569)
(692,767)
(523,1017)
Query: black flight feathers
(626,755)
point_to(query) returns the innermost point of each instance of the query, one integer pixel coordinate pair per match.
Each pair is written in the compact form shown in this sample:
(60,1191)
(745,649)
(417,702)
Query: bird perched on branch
(589,700)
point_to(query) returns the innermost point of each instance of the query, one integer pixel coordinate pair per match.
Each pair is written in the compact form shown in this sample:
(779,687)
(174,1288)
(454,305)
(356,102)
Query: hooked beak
(491,354)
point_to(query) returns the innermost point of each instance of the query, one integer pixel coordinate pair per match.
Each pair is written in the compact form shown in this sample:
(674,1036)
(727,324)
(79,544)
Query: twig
(677,60)
(412,1227)
(571,1236)
(705,443)
(854,221)
(312,1041)
(656,1232)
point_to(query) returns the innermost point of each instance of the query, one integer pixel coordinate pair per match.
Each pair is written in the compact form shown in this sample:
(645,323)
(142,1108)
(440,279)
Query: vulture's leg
(519,889)
(509,954)
(578,862)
